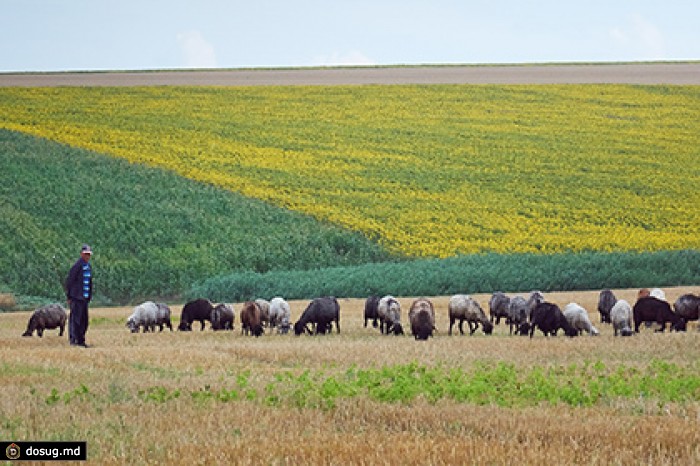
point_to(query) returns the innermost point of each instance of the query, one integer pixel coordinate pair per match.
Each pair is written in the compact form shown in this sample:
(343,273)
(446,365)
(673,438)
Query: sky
(67,35)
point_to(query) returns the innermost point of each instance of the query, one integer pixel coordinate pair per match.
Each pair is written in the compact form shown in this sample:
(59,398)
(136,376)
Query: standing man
(79,293)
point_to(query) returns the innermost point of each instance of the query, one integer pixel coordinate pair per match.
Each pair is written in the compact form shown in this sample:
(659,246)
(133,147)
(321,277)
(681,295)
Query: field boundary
(674,73)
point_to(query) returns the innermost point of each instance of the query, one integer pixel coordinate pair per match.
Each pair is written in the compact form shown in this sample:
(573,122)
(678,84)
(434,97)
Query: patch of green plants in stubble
(500,384)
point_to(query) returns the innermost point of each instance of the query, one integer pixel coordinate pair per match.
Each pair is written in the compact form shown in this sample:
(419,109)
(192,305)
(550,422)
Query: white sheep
(389,314)
(280,315)
(578,319)
(462,307)
(144,315)
(658,293)
(621,318)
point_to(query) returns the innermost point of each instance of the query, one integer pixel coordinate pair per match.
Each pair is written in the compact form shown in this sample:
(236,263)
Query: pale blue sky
(58,35)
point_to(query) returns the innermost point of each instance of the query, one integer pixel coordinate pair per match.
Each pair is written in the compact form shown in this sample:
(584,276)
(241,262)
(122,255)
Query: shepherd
(79,294)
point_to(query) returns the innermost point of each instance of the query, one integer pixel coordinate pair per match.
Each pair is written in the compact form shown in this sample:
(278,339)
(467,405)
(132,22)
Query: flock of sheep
(522,315)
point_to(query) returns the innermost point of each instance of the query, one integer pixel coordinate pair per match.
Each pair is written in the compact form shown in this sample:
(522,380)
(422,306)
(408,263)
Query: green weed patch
(502,384)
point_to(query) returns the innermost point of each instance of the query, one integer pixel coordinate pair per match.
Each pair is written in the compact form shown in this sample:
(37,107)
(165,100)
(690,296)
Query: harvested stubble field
(356,397)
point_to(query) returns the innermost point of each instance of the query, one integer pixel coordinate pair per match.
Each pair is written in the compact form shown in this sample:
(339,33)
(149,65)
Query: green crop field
(154,233)
(425,170)
(381,172)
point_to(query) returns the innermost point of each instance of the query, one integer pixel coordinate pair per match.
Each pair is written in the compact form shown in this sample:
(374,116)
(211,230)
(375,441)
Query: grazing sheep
(549,319)
(498,307)
(321,312)
(606,301)
(389,314)
(46,317)
(621,318)
(462,307)
(264,311)
(222,317)
(578,318)
(688,307)
(371,307)
(421,315)
(280,315)
(251,319)
(518,315)
(658,293)
(199,309)
(536,297)
(163,317)
(651,309)
(643,293)
(143,316)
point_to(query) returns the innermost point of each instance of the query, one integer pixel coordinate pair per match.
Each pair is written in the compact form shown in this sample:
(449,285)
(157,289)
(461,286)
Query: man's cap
(86,249)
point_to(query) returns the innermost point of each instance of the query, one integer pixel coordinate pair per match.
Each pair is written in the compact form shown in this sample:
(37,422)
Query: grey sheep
(46,317)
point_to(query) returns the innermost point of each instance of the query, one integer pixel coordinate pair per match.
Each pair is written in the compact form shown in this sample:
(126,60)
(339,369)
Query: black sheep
(222,317)
(549,319)
(650,309)
(371,305)
(688,307)
(199,309)
(606,301)
(321,313)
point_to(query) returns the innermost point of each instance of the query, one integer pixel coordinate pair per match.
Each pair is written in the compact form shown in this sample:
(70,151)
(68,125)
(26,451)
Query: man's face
(86,256)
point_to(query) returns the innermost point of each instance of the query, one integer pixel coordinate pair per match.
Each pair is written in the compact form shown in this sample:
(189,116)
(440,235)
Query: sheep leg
(452,322)
(461,326)
(60,330)
(472,327)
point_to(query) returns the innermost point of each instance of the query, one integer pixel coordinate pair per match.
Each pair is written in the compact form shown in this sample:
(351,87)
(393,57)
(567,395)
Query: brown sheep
(421,316)
(251,319)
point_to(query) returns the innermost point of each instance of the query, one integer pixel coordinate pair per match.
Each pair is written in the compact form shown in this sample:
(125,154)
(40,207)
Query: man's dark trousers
(78,321)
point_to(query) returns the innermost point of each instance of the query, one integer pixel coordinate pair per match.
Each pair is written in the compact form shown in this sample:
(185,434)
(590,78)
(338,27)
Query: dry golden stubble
(42,380)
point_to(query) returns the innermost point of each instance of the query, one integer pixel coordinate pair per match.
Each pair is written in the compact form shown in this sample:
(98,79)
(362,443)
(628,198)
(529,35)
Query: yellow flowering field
(426,170)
